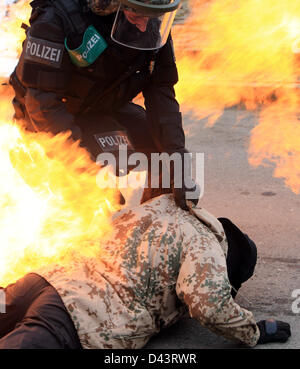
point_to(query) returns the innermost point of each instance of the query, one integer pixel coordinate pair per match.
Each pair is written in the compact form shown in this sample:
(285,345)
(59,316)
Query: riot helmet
(144,24)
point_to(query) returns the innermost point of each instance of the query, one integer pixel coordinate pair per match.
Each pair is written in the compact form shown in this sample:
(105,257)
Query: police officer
(83,62)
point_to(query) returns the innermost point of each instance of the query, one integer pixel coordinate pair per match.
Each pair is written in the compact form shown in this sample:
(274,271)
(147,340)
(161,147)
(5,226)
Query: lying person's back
(155,254)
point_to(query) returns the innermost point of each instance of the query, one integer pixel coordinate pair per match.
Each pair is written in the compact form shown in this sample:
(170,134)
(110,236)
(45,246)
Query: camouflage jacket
(158,262)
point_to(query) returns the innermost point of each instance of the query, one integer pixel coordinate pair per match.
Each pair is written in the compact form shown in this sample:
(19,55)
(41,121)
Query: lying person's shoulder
(157,206)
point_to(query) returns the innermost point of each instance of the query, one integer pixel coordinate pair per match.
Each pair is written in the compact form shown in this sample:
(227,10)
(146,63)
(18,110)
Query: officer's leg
(95,123)
(35,317)
(133,118)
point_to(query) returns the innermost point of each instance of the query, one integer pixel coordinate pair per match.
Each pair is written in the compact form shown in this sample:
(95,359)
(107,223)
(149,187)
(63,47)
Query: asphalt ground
(263,207)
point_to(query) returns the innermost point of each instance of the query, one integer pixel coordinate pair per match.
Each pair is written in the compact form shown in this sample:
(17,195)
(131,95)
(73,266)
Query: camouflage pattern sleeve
(204,287)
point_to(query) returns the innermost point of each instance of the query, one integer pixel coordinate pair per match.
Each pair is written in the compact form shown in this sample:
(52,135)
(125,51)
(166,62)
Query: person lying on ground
(158,263)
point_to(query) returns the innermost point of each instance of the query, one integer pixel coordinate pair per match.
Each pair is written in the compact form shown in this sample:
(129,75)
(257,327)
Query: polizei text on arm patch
(43,52)
(93,45)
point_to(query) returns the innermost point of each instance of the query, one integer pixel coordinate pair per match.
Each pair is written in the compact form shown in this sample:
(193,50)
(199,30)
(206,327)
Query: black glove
(180,196)
(272,330)
(188,188)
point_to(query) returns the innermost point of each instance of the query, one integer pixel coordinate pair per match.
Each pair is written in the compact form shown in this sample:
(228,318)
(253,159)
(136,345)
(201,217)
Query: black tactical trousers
(36,317)
(132,119)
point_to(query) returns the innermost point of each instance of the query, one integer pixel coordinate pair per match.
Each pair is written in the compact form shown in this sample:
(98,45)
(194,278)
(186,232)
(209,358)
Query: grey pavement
(261,206)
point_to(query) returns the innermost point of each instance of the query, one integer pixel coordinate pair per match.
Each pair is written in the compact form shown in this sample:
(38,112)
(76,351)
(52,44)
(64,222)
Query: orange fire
(11,33)
(228,53)
(245,52)
(51,206)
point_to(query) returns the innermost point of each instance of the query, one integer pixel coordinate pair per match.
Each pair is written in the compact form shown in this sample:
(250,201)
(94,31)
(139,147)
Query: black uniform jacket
(57,90)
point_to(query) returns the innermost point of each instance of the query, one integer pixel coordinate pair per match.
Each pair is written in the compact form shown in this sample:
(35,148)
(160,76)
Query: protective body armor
(116,77)
(52,91)
(73,83)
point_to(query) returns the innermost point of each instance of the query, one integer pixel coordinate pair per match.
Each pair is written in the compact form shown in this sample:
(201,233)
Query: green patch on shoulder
(92,47)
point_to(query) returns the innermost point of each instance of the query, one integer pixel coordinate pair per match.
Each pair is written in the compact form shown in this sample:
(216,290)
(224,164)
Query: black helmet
(139,24)
(144,24)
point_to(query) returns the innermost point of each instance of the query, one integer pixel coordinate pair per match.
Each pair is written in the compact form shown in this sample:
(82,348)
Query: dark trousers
(36,317)
(131,118)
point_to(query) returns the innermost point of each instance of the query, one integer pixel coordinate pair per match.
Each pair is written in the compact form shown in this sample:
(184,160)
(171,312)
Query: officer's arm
(44,69)
(162,108)
(204,287)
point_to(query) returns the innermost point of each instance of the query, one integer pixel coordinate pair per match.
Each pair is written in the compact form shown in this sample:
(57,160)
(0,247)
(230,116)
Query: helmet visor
(143,30)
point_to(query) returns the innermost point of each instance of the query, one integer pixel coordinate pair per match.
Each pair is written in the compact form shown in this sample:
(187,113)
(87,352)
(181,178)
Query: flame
(51,207)
(228,53)
(11,33)
(245,52)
